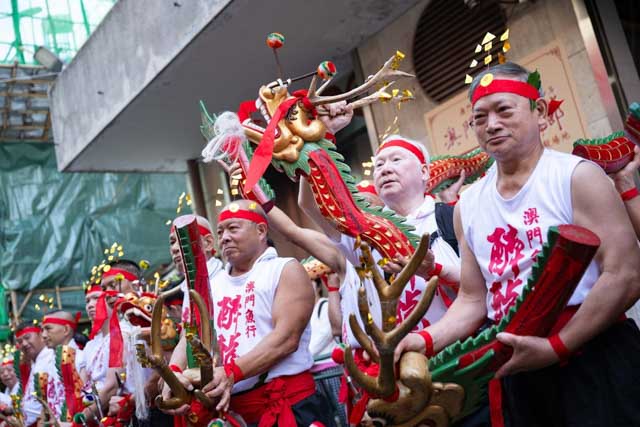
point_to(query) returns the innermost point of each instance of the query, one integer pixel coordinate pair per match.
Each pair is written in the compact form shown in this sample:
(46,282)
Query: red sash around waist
(271,402)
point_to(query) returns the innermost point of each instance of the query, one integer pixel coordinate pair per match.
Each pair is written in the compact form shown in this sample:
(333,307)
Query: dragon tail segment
(558,270)
(613,152)
(445,170)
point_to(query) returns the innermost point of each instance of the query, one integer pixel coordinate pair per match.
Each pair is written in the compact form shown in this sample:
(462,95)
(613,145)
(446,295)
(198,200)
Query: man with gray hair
(582,374)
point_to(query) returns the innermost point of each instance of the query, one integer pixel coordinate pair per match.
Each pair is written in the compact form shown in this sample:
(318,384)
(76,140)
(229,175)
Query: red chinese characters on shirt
(407,302)
(228,350)
(506,252)
(249,303)
(229,312)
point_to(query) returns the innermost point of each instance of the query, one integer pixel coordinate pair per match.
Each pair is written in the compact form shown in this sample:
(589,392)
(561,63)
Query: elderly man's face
(54,335)
(505,125)
(398,172)
(240,239)
(8,375)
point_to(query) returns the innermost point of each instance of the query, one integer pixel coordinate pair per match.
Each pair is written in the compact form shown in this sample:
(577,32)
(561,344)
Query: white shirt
(96,354)
(243,316)
(505,235)
(424,220)
(214,265)
(321,342)
(80,362)
(44,363)
(349,303)
(5,396)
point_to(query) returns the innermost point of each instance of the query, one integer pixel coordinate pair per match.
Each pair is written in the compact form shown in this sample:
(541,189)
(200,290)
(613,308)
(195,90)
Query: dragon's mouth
(136,316)
(264,112)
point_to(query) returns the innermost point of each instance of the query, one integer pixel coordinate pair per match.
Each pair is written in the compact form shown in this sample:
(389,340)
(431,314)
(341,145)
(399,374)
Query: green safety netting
(54,226)
(60,25)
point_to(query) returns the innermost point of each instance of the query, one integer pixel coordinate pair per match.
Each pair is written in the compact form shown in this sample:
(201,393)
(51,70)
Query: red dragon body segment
(613,152)
(336,203)
(444,170)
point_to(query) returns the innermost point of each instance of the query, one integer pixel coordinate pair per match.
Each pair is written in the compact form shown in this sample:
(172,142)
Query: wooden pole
(25,302)
(14,307)
(58,297)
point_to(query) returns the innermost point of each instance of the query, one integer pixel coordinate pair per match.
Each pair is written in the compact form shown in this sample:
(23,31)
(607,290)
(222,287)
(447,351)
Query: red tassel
(101,315)
(264,152)
(25,374)
(116,345)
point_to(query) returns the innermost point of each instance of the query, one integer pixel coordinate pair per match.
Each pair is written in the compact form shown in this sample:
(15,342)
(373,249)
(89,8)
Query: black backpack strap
(322,303)
(444,221)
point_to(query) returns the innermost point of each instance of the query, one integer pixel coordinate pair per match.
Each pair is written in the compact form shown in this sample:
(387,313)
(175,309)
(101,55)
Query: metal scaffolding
(62,26)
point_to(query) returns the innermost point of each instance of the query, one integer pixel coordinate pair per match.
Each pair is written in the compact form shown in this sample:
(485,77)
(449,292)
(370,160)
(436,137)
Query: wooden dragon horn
(387,339)
(156,360)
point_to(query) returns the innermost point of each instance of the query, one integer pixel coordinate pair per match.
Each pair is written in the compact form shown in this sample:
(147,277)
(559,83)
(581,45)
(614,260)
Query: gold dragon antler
(180,395)
(387,339)
(388,73)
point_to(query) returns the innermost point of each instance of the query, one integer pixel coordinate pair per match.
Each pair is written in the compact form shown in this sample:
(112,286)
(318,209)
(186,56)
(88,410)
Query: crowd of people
(271,321)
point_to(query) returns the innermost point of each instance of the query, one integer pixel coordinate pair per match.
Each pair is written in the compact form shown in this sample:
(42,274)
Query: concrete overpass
(129,99)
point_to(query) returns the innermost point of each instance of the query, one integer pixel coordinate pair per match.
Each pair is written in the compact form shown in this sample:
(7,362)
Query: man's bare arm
(291,311)
(307,203)
(468,310)
(598,208)
(335,311)
(317,244)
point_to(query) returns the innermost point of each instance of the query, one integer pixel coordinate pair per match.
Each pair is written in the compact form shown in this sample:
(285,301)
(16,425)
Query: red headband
(174,302)
(113,271)
(508,86)
(242,214)
(57,321)
(204,231)
(28,330)
(93,288)
(403,144)
(7,362)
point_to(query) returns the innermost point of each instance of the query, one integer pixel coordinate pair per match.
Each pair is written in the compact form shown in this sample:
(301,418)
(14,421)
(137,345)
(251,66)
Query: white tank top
(424,220)
(506,235)
(242,316)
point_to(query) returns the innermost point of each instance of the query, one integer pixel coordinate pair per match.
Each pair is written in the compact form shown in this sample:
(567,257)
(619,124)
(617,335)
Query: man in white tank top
(262,305)
(400,177)
(96,354)
(501,223)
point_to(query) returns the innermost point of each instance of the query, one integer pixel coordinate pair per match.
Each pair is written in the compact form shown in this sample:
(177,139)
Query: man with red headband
(96,353)
(58,328)
(42,360)
(400,177)
(207,242)
(263,304)
(507,214)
